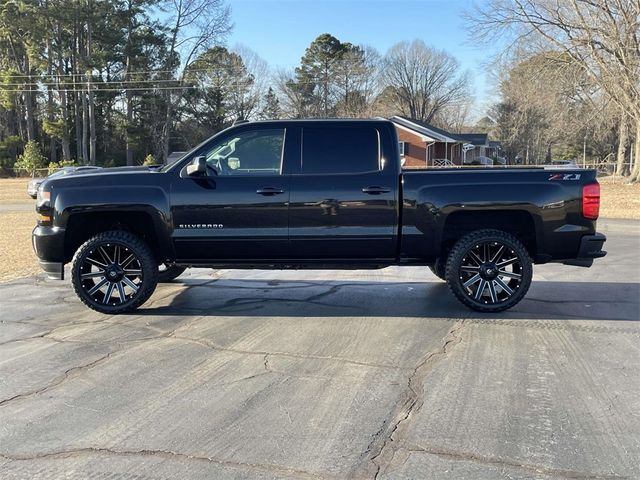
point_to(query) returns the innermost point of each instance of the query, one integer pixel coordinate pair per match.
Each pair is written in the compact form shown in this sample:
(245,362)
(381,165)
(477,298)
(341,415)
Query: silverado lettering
(200,225)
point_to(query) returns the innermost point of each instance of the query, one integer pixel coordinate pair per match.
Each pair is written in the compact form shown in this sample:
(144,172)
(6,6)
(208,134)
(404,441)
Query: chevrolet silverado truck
(313,194)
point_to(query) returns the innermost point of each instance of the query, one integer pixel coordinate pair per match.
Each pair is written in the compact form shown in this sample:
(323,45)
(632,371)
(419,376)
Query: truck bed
(542,205)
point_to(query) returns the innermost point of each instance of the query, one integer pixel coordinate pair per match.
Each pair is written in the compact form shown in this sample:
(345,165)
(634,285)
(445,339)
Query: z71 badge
(565,176)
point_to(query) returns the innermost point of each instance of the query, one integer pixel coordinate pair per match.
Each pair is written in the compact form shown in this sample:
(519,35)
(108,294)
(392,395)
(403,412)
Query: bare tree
(421,80)
(194,26)
(356,80)
(454,117)
(250,88)
(623,145)
(602,36)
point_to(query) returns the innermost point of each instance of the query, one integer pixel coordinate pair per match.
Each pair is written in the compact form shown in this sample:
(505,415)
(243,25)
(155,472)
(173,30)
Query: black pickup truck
(313,194)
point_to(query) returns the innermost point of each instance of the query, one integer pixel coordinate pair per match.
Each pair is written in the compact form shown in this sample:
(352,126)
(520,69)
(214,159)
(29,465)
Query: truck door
(238,209)
(343,200)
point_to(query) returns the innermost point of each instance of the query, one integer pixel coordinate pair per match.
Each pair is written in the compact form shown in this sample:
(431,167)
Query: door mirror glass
(197,167)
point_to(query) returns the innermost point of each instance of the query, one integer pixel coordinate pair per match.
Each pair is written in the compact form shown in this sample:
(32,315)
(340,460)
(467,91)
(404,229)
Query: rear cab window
(340,150)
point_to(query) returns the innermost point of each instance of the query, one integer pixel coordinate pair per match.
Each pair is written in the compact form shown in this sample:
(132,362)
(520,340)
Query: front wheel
(489,270)
(114,272)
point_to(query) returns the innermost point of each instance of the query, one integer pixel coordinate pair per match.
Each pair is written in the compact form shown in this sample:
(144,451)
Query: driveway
(324,374)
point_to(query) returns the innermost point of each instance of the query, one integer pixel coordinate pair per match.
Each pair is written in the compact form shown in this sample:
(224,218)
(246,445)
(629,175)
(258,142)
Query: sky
(279,31)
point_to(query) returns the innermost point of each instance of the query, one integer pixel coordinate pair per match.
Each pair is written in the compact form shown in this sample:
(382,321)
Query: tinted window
(253,152)
(340,150)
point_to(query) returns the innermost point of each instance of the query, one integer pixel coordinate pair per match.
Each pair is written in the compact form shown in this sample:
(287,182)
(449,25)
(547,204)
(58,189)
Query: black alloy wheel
(114,272)
(489,270)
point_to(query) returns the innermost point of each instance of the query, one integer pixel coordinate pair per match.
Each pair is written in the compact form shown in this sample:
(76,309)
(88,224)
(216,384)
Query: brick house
(423,145)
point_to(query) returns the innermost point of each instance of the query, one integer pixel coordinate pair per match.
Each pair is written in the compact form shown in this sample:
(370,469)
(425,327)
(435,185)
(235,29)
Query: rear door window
(328,150)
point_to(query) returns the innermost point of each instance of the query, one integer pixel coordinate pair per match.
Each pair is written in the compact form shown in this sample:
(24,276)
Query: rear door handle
(375,190)
(269,191)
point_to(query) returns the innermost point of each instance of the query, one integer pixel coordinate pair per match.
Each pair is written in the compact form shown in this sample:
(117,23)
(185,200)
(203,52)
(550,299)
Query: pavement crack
(266,363)
(69,373)
(258,301)
(502,462)
(213,346)
(267,468)
(330,291)
(386,441)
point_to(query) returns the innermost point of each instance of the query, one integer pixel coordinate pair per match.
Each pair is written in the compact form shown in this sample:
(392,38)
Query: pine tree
(271,109)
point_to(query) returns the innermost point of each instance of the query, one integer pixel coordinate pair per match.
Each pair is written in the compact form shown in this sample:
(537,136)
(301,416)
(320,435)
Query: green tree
(220,92)
(333,79)
(271,109)
(31,159)
(313,83)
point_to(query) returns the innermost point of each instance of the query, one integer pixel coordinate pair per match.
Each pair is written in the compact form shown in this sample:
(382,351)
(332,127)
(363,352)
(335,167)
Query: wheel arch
(519,223)
(142,222)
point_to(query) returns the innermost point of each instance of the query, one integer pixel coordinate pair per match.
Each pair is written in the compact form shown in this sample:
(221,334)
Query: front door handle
(376,190)
(269,191)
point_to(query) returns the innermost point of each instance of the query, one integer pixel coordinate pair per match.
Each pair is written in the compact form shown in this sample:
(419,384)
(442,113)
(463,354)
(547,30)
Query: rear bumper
(590,249)
(48,244)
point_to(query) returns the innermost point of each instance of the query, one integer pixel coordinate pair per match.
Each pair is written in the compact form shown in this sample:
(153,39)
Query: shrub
(53,166)
(149,160)
(31,159)
(8,148)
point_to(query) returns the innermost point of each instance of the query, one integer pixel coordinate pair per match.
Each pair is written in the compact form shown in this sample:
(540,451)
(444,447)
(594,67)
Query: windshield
(58,173)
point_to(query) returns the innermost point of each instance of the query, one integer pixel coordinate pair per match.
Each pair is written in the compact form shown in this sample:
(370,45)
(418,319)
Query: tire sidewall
(147,263)
(469,241)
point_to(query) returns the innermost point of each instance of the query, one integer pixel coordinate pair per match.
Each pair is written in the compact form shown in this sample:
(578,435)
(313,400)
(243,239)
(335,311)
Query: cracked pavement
(257,374)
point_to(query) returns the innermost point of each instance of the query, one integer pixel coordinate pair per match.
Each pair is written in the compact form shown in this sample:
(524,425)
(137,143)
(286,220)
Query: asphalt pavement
(253,374)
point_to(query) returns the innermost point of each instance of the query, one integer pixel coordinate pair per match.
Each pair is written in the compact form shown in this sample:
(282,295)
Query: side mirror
(198,167)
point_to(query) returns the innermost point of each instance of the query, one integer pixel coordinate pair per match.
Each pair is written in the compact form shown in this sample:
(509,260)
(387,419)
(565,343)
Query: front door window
(253,152)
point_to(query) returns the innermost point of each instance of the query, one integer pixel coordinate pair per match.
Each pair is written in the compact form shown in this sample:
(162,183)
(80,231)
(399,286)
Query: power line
(85,90)
(84,75)
(96,86)
(108,82)
(60,75)
(101,82)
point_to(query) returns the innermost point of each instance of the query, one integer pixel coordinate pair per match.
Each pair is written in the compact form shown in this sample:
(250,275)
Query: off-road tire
(148,266)
(169,273)
(458,261)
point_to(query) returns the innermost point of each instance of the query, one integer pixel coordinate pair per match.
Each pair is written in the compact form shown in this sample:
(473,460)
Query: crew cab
(313,194)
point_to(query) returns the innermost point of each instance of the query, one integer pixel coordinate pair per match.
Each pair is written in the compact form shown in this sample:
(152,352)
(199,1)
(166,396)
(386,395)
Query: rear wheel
(489,270)
(166,273)
(114,272)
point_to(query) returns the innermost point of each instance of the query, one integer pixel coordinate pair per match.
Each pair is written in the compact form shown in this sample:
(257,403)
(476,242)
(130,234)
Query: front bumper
(590,249)
(48,243)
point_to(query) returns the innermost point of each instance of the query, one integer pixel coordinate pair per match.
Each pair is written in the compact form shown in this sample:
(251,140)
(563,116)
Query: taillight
(591,201)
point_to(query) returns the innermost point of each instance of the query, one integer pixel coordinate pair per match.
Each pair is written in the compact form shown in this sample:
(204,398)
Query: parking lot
(323,374)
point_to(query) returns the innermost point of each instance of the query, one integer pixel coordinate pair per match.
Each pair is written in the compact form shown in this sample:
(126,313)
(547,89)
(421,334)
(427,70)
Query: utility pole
(584,152)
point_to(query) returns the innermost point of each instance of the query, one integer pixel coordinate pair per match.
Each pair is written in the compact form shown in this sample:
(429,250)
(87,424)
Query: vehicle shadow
(319,298)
